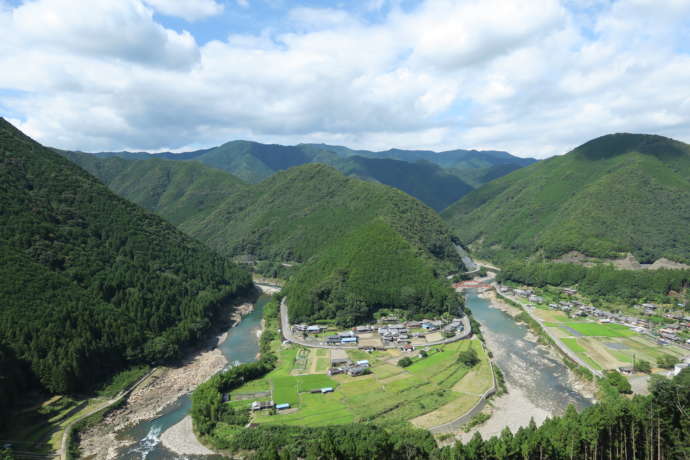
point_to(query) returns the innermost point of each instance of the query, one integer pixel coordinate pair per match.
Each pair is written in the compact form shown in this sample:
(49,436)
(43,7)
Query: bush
(617,381)
(404,362)
(468,357)
(667,361)
(643,366)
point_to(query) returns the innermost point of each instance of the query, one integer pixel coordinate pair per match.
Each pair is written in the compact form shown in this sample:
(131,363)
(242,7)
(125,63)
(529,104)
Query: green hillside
(613,195)
(437,179)
(89,282)
(176,190)
(296,213)
(371,268)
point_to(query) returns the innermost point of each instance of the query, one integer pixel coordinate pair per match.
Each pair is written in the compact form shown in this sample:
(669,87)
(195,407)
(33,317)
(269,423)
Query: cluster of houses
(669,333)
(345,366)
(263,405)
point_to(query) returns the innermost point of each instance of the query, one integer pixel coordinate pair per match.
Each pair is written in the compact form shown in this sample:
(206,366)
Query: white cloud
(243,3)
(531,77)
(191,10)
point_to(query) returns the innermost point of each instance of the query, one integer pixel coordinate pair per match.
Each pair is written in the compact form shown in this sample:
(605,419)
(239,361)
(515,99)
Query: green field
(390,394)
(599,330)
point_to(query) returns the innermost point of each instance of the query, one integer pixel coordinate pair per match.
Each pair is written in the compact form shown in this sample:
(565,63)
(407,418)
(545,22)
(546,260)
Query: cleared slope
(90,282)
(616,194)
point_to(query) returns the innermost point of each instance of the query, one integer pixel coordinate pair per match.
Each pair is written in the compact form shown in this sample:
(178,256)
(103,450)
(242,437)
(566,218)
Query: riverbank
(180,438)
(161,389)
(512,410)
(498,303)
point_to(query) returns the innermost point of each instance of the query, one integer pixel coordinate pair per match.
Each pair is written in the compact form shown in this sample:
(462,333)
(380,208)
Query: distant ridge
(437,179)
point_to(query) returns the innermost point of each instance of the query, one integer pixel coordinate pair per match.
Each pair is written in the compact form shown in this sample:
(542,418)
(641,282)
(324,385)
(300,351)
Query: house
(339,361)
(336,370)
(536,299)
(283,406)
(348,340)
(625,370)
(570,291)
(261,405)
(407,347)
(364,329)
(413,324)
(354,371)
(332,340)
(315,329)
(363,362)
(300,327)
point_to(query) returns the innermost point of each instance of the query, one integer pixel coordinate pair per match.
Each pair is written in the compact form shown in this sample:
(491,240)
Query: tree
(468,357)
(643,366)
(404,362)
(618,381)
(667,361)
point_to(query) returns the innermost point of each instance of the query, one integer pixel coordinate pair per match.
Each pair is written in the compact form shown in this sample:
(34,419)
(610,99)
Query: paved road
(290,337)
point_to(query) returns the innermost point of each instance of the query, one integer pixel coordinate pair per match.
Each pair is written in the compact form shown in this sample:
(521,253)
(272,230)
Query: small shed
(283,406)
(363,362)
(348,340)
(327,390)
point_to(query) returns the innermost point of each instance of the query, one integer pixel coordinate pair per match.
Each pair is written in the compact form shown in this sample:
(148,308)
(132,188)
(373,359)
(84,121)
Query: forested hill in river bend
(89,282)
(312,217)
(437,179)
(617,194)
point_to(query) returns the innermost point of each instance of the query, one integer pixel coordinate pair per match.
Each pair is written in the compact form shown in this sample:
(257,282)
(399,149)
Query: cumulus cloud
(531,77)
(186,9)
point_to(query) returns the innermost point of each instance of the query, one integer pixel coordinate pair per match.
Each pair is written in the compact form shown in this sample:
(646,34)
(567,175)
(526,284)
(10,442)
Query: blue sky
(533,77)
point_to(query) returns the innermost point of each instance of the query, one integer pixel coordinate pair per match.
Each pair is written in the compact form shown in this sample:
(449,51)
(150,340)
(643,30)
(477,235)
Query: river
(530,368)
(240,346)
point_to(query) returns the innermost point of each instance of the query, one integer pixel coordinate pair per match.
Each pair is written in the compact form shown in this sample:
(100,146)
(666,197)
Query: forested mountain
(297,213)
(437,179)
(178,191)
(371,268)
(475,167)
(367,238)
(616,194)
(90,282)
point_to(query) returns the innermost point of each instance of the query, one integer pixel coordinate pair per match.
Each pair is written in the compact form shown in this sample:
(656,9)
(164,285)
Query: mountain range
(437,179)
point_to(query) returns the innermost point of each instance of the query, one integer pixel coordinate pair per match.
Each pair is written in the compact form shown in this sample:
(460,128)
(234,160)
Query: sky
(532,77)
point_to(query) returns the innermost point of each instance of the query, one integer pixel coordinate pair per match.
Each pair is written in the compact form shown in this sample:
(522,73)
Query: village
(388,332)
(610,340)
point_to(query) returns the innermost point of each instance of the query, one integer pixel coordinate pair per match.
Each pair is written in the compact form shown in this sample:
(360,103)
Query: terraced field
(436,385)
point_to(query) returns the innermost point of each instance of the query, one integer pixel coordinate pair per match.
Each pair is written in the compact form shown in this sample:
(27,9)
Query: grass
(314,381)
(322,364)
(581,351)
(315,410)
(285,390)
(122,381)
(446,413)
(600,330)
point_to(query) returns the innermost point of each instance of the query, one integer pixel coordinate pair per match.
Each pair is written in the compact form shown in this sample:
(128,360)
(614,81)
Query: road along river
(240,346)
(539,384)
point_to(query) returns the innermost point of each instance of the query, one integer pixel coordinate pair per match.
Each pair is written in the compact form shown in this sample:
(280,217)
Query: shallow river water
(526,365)
(240,346)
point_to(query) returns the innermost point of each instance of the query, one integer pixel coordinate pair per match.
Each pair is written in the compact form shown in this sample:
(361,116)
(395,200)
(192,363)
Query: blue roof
(283,406)
(363,361)
(348,339)
(326,390)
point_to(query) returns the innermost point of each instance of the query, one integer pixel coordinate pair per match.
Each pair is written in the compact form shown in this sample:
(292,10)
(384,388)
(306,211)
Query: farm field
(609,346)
(436,385)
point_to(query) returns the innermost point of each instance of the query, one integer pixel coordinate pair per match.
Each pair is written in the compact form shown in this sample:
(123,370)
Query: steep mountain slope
(438,179)
(90,282)
(176,190)
(616,194)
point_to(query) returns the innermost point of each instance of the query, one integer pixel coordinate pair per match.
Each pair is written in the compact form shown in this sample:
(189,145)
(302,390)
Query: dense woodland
(602,281)
(91,283)
(616,194)
(369,269)
(653,427)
